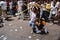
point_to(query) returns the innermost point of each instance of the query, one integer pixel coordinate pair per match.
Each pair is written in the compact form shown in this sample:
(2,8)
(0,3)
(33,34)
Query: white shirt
(4,5)
(10,5)
(32,3)
(55,5)
(33,16)
(54,8)
(31,6)
(43,7)
(20,3)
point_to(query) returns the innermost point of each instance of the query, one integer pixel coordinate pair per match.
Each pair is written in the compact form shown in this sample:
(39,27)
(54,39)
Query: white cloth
(20,3)
(54,8)
(43,7)
(10,5)
(57,3)
(33,16)
(30,6)
(3,5)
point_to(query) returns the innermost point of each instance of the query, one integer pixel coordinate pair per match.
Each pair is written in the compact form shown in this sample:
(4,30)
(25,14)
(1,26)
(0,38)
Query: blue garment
(11,13)
(32,24)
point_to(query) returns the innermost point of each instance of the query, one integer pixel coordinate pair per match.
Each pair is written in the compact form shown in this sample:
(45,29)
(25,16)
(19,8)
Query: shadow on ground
(10,19)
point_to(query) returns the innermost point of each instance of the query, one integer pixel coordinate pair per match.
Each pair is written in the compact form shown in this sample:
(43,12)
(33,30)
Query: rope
(30,7)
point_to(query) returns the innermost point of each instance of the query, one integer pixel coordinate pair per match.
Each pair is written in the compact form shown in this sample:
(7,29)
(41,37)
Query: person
(4,9)
(29,7)
(32,21)
(44,11)
(20,3)
(14,10)
(10,5)
(53,11)
(40,23)
(48,10)
(38,9)
(24,8)
(1,19)
(59,15)
(0,11)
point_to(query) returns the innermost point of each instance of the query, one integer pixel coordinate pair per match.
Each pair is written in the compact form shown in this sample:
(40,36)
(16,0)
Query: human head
(34,9)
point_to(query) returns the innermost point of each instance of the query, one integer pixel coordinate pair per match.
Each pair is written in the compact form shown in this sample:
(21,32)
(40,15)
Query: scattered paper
(29,37)
(16,14)
(10,24)
(16,30)
(4,18)
(37,39)
(31,32)
(21,27)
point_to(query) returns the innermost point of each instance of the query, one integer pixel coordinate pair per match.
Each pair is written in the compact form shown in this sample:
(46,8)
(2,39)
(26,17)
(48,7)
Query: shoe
(6,18)
(38,32)
(34,30)
(43,32)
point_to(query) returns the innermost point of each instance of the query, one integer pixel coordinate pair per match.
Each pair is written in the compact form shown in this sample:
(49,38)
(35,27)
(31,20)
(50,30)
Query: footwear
(43,32)
(47,33)
(38,32)
(34,30)
(6,18)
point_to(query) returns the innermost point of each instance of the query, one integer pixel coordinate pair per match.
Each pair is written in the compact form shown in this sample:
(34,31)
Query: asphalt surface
(15,29)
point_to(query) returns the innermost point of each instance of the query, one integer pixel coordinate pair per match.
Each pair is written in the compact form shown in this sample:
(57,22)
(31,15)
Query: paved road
(20,30)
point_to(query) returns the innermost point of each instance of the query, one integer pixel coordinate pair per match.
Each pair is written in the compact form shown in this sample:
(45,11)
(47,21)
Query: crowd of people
(42,13)
(39,12)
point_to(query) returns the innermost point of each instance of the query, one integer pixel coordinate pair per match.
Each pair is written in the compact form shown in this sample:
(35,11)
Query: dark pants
(53,17)
(59,20)
(32,24)
(1,19)
(13,12)
(45,15)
